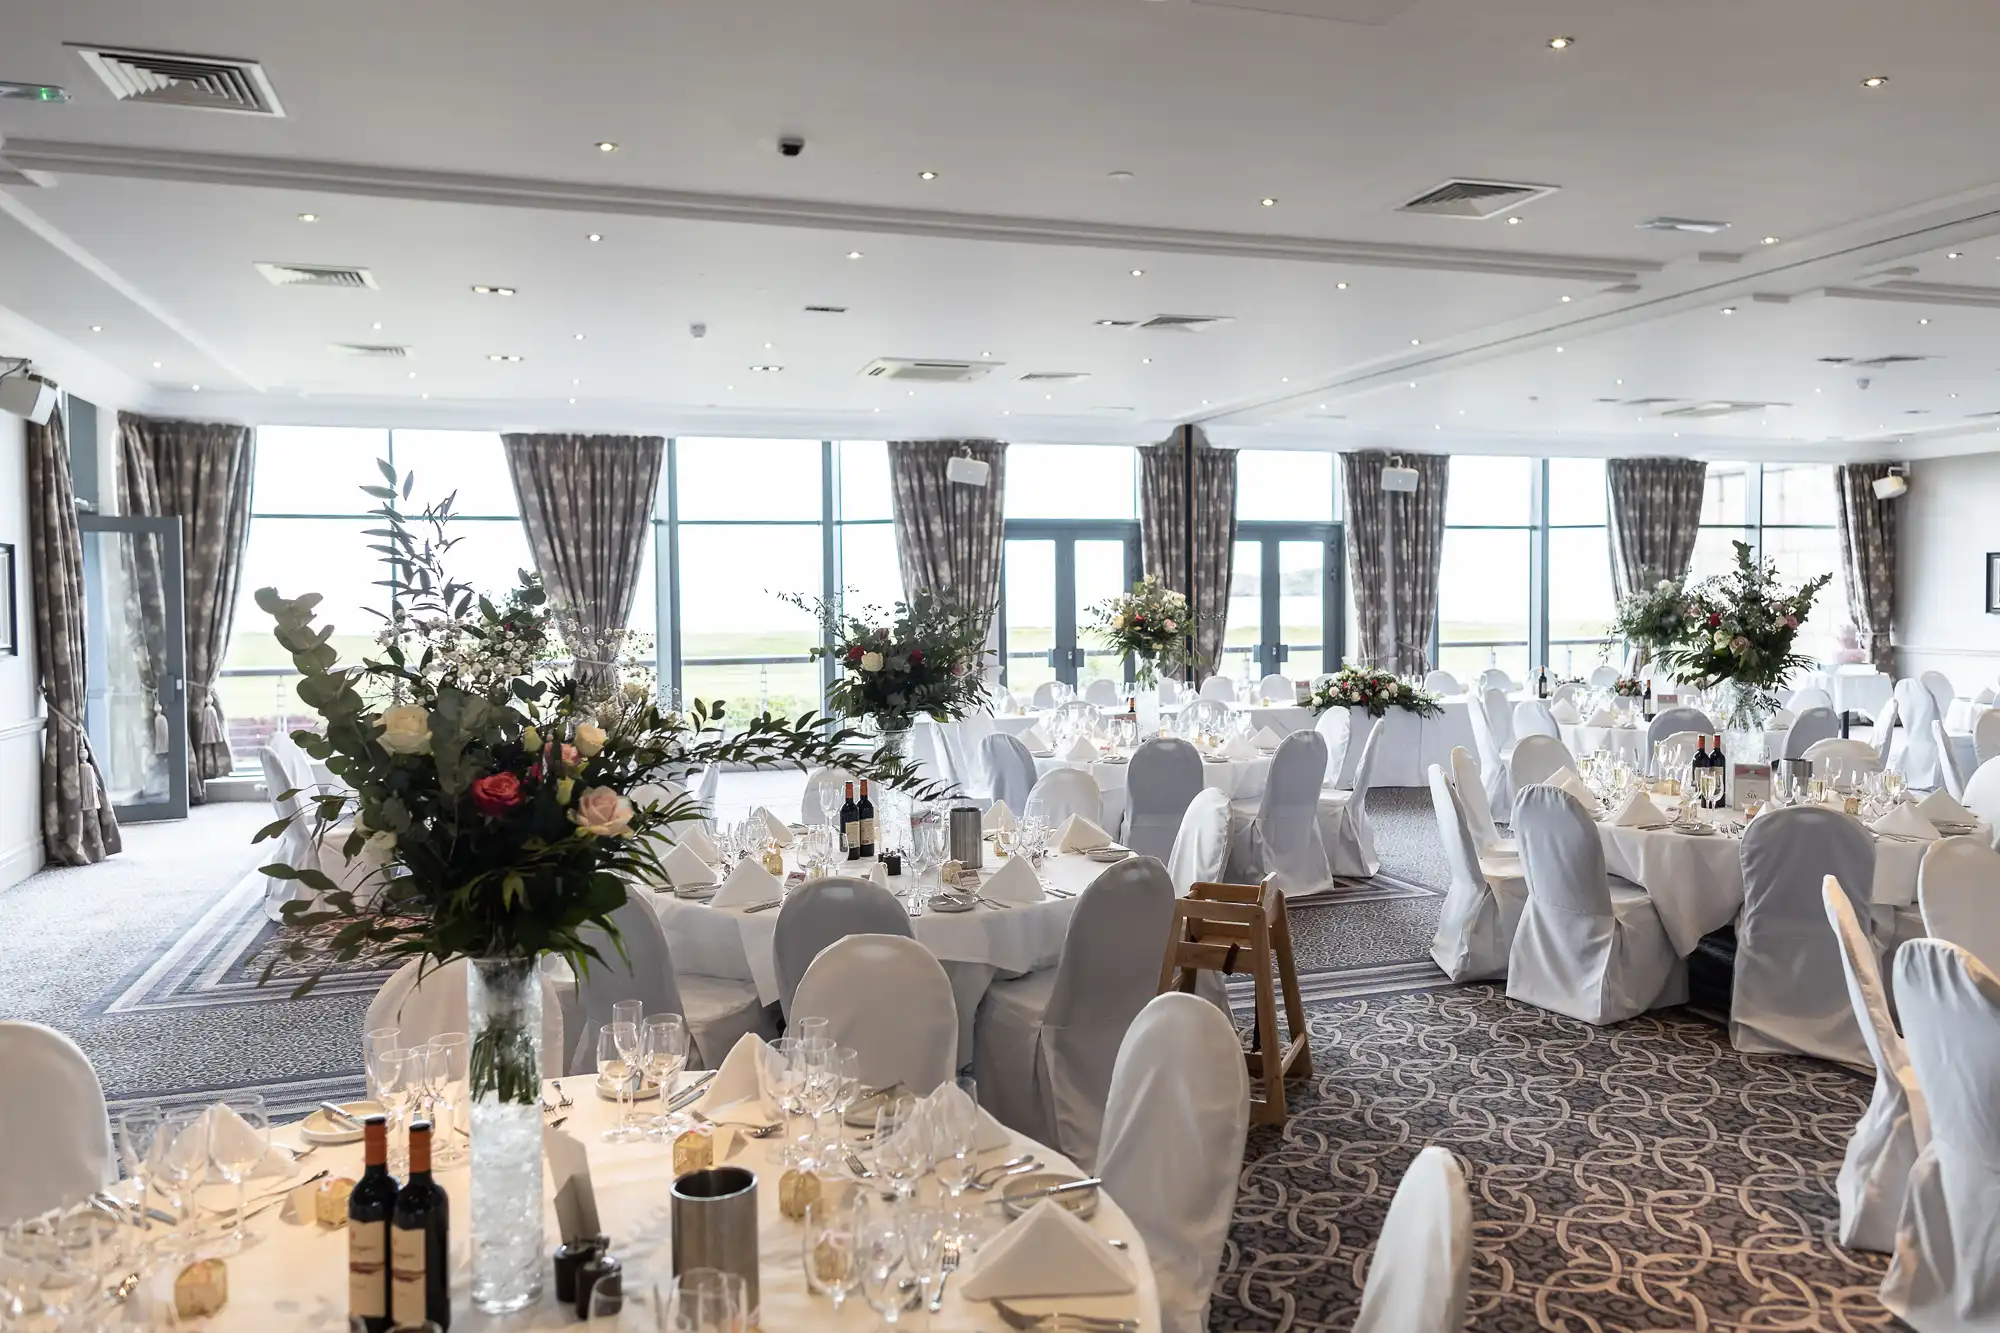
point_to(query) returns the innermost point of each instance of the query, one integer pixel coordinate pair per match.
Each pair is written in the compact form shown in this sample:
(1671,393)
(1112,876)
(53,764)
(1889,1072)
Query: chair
(817,781)
(1492,737)
(58,1132)
(1420,1278)
(1842,757)
(1947,753)
(1219,688)
(1010,769)
(1939,687)
(1063,792)
(964,747)
(1283,839)
(1532,717)
(1442,683)
(1337,726)
(1476,927)
(1044,695)
(1044,1044)
(1986,736)
(1604,678)
(1584,948)
(1103,692)
(1536,759)
(1812,725)
(1812,696)
(825,910)
(886,996)
(1919,763)
(1478,815)
(1675,749)
(1567,690)
(1344,830)
(1277,689)
(1670,720)
(1875,1173)
(1788,997)
(1178,1095)
(1201,846)
(1982,795)
(1163,777)
(436,1003)
(1884,736)
(640,966)
(287,768)
(1493,678)
(1945,1273)
(1958,891)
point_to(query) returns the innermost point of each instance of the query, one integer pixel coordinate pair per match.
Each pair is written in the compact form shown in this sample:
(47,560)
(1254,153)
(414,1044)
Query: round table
(1626,744)
(294,1275)
(1238,779)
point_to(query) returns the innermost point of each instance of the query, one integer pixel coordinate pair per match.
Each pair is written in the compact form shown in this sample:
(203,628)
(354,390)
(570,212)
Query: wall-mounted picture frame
(10,619)
(1993,583)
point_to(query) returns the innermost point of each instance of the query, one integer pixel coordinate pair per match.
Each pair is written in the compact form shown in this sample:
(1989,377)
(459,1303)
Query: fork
(992,1176)
(993,902)
(562,1098)
(947,1265)
(1090,1323)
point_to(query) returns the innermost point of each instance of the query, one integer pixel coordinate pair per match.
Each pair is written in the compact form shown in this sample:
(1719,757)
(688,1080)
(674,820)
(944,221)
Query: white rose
(871,661)
(1390,689)
(406,729)
(379,847)
(589,739)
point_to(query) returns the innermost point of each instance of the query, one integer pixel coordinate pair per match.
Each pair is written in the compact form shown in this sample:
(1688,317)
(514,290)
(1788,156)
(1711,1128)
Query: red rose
(1714,619)
(496,793)
(916,657)
(854,653)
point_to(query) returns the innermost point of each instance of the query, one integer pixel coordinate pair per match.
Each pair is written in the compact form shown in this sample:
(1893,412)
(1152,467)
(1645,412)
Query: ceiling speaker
(1399,478)
(27,398)
(968,471)
(1892,487)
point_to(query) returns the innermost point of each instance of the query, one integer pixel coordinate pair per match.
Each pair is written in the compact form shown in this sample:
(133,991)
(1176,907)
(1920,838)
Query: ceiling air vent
(1474,199)
(1873,362)
(316,275)
(1648,402)
(1701,225)
(929,372)
(1187,323)
(1054,376)
(376,351)
(1716,409)
(826,310)
(201,83)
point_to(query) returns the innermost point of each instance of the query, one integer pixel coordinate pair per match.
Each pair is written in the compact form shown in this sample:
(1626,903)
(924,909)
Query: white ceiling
(453,143)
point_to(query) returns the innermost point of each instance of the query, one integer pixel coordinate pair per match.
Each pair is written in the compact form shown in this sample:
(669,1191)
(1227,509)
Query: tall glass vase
(504,1012)
(1744,713)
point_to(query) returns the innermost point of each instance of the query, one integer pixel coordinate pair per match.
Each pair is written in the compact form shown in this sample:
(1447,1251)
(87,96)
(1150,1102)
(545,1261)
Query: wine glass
(702,1300)
(180,1157)
(881,1250)
(902,1145)
(954,1120)
(663,1051)
(844,1065)
(376,1043)
(446,1066)
(398,1079)
(924,1235)
(617,1064)
(239,1134)
(138,1127)
(812,1058)
(831,797)
(832,1267)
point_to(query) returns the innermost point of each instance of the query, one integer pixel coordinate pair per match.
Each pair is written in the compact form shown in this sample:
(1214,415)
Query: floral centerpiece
(1650,617)
(925,658)
(1629,687)
(1150,624)
(1375,690)
(499,810)
(1739,631)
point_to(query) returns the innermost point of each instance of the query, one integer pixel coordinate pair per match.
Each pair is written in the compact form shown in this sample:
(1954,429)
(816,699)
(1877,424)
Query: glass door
(1285,601)
(1028,629)
(1054,573)
(135,699)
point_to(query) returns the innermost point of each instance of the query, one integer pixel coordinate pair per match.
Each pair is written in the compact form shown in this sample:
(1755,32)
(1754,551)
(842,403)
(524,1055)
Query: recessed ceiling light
(483,290)
(576,381)
(423,395)
(1119,175)
(606,146)
(730,388)
(854,254)
(909,393)
(1565,300)
(97,328)
(376,325)
(1204,402)
(767,347)
(1729,310)
(1413,384)
(879,409)
(1819,390)
(1437,425)
(502,356)
(986,354)
(594,237)
(579,337)
(572,401)
(1874,81)
(1416,342)
(1561,43)
(1923,319)
(194,388)
(1952,395)
(1461,411)
(413,374)
(1284,379)
(1340,286)
(1106,323)
(1951,254)
(1770,240)
(1513,222)
(1138,272)
(1559,349)
(926,175)
(1048,397)
(1322,407)
(1268,201)
(309,217)
(156,365)
(1145,360)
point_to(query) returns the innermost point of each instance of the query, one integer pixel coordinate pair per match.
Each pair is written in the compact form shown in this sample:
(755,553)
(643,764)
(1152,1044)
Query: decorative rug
(1642,1176)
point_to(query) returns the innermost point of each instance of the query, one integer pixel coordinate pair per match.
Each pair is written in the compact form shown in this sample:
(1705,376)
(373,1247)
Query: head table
(293,1275)
(1241,780)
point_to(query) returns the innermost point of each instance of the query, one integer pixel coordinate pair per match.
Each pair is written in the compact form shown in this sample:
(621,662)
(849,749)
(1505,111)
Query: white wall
(1950,520)
(20,703)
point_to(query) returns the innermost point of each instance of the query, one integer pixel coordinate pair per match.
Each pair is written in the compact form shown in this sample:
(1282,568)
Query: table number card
(1749,784)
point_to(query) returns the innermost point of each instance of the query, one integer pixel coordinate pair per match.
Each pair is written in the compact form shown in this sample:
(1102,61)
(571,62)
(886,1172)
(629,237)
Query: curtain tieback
(88,795)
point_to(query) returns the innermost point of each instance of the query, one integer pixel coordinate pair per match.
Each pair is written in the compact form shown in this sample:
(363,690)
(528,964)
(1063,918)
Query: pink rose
(1170,627)
(1791,622)
(496,793)
(603,812)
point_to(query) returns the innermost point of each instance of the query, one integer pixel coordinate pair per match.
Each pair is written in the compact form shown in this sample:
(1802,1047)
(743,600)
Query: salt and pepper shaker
(602,1271)
(570,1257)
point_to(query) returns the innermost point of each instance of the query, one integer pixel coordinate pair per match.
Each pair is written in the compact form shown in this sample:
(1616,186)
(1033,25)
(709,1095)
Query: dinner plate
(1215,759)
(1116,759)
(1108,855)
(1693,830)
(319,1127)
(1956,830)
(1081,1202)
(696,892)
(861,1115)
(951,902)
(648,1089)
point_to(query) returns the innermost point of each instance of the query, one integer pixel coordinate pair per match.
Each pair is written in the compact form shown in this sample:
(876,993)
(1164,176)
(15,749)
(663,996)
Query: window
(1484,586)
(1581,600)
(1285,585)
(1787,512)
(1072,541)
(1080,481)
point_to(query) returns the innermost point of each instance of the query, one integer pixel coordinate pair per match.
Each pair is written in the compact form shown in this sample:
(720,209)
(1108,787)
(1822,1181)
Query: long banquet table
(293,1275)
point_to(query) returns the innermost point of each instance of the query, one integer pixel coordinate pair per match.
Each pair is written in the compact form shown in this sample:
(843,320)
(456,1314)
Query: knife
(339,1115)
(1068,1187)
(691,1093)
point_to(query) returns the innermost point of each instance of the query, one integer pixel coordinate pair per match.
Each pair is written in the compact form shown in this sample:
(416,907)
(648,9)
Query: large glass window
(1581,601)
(1484,612)
(1072,543)
(1285,611)
(1787,513)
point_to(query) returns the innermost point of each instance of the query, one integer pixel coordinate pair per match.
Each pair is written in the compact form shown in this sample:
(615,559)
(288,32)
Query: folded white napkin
(1013,882)
(1640,812)
(1037,739)
(999,818)
(1266,739)
(1605,716)
(1568,779)
(1081,751)
(695,838)
(747,886)
(1239,748)
(1081,834)
(684,868)
(879,873)
(740,1079)
(1905,822)
(780,832)
(1046,1252)
(1939,806)
(1781,720)
(1564,712)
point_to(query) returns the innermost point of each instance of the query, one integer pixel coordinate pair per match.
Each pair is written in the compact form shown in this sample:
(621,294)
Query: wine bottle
(864,811)
(419,1243)
(1698,767)
(850,825)
(1646,703)
(368,1209)
(1542,683)
(1720,763)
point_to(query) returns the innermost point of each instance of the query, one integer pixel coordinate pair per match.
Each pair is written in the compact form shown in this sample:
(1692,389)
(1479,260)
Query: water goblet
(379,1041)
(702,1300)
(924,1234)
(137,1127)
(663,1050)
(447,1065)
(832,1267)
(180,1159)
(618,1064)
(881,1250)
(902,1144)
(239,1134)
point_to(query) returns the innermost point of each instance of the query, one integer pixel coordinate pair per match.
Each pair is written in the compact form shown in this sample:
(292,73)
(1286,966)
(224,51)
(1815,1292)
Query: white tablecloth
(1239,779)
(1624,743)
(1856,692)
(294,1276)
(1696,883)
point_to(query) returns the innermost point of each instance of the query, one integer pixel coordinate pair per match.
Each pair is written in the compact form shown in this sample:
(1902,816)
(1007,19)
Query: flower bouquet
(923,659)
(1372,689)
(1150,624)
(501,808)
(1738,630)
(1629,687)
(1651,616)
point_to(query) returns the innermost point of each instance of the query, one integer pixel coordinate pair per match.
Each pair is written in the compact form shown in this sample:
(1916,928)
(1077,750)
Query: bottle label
(406,1268)
(368,1269)
(867,833)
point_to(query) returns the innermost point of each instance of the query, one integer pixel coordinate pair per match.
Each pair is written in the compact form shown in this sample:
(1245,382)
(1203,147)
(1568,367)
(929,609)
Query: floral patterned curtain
(1163,528)
(949,536)
(1868,559)
(1395,549)
(1655,518)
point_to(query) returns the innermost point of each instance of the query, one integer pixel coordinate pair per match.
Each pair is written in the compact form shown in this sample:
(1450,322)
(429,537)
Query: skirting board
(17,863)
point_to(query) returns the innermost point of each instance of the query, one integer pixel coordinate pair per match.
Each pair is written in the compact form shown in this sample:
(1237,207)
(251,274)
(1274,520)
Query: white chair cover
(1219,688)
(1493,678)
(1986,735)
(1442,683)
(1884,737)
(718,1010)
(1809,727)
(887,996)
(1537,758)
(1875,1173)
(1668,721)
(1958,888)
(822,911)
(1476,927)
(1044,695)
(818,779)
(1675,749)
(58,1133)
(1789,998)
(1103,692)
(1836,758)
(1163,777)
(1063,792)
(1919,763)
(1283,839)
(1566,690)
(1277,689)
(1344,830)
(1604,677)
(1201,847)
(1939,687)
(437,1004)
(1472,796)
(1982,795)
(1948,770)
(1010,769)
(1421,1276)
(1044,1045)
(1336,725)
(1583,948)
(1533,717)
(1946,1270)
(1492,736)
(1180,1095)
(1812,696)
(964,746)
(294,846)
